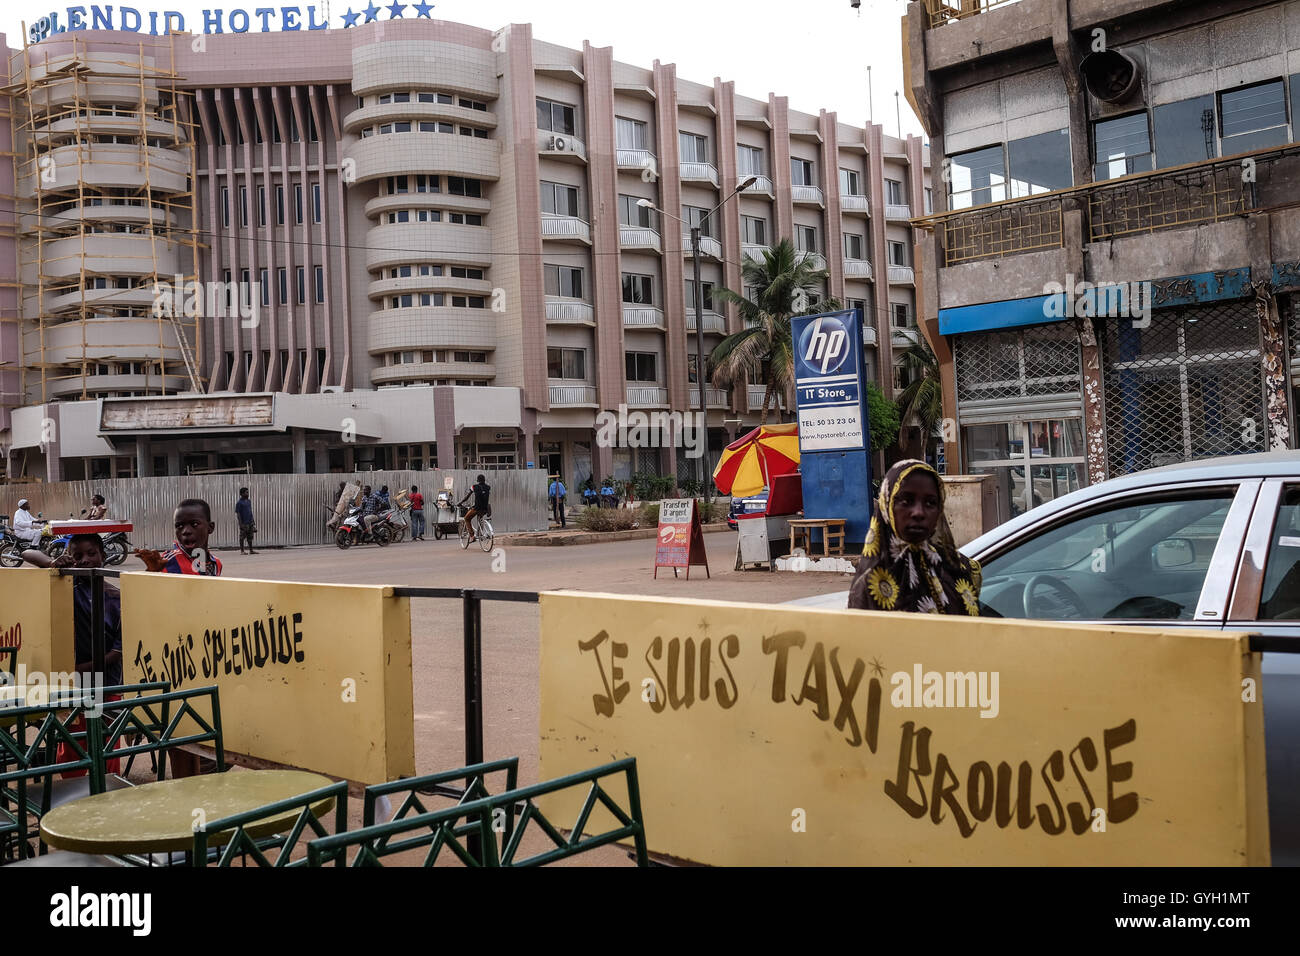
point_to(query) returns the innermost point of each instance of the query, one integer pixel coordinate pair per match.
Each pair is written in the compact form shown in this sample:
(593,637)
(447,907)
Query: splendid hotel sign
(240,20)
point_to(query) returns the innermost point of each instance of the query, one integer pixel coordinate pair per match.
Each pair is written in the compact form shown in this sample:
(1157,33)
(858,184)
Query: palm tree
(922,399)
(785,284)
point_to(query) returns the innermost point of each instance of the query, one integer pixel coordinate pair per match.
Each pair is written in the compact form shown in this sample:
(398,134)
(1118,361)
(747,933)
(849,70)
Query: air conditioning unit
(331,389)
(559,144)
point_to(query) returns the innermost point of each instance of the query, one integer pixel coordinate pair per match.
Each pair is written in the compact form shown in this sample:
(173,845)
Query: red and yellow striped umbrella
(748,461)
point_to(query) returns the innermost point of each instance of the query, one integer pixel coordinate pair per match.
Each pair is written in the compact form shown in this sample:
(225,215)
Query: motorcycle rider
(98,510)
(372,507)
(26,528)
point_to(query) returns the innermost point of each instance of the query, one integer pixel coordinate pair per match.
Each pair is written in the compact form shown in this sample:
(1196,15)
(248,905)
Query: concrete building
(406,244)
(1110,275)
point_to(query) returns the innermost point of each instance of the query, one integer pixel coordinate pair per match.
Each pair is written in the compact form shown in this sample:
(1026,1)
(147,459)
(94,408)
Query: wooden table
(832,528)
(161,816)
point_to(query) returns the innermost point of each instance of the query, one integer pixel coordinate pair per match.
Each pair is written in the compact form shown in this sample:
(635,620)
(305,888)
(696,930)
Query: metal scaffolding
(77,103)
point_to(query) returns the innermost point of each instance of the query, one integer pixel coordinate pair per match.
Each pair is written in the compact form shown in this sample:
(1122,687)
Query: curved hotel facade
(410,244)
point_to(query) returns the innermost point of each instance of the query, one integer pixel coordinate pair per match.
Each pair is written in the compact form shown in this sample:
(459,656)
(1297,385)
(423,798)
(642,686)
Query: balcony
(761,184)
(638,161)
(563,311)
(709,246)
(643,396)
(895,212)
(565,227)
(901,275)
(561,146)
(857,269)
(904,338)
(855,204)
(754,251)
(869,334)
(755,395)
(639,237)
(815,258)
(1139,204)
(699,173)
(807,195)
(642,317)
(713,322)
(572,395)
(717,397)
(950,11)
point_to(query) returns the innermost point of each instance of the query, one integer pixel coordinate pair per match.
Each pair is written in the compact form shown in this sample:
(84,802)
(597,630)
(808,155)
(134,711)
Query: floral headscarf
(895,575)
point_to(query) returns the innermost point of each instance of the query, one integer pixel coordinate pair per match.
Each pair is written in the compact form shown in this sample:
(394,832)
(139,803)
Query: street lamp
(699,316)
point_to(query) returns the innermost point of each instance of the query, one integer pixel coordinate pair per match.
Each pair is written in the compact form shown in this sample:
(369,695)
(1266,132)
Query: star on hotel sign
(394,9)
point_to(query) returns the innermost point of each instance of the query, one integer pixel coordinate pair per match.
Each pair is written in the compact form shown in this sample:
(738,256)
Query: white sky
(816,52)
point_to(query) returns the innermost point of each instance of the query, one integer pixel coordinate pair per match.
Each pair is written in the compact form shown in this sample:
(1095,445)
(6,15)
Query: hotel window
(556,117)
(559,199)
(642,366)
(473,105)
(479,357)
(859,304)
(401,97)
(1040,164)
(319,275)
(977,178)
(900,314)
(850,183)
(426,97)
(261,205)
(428,184)
(466,131)
(279,205)
(753,230)
(313,135)
(929,199)
(630,133)
(1121,146)
(805,238)
(264,283)
(468,302)
(399,272)
(384,99)
(694,147)
(750,161)
(275,129)
(295,136)
(897,253)
(630,214)
(284,363)
(297,204)
(465,218)
(698,216)
(282,278)
(894,194)
(462,186)
(564,281)
(430,270)
(302,284)
(1184,131)
(397,185)
(638,289)
(225,207)
(243,205)
(402,127)
(706,288)
(315,202)
(854,247)
(429,215)
(460,272)
(431,298)
(801,172)
(566,363)
(368,131)
(399,215)
(403,301)
(1253,117)
(692,365)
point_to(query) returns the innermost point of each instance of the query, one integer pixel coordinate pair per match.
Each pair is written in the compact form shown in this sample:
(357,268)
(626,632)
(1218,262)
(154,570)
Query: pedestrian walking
(557,493)
(247,527)
(909,562)
(417,514)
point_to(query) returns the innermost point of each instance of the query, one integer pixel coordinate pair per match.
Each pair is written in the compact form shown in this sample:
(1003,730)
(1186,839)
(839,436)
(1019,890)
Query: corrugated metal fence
(289,509)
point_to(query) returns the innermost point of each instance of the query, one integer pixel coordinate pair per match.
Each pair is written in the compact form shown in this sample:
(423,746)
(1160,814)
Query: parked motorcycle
(353,530)
(11,549)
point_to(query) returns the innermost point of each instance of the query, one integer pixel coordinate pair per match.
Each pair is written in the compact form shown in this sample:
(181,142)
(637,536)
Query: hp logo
(824,345)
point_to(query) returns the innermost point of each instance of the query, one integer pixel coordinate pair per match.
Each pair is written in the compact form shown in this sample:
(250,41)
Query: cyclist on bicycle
(481,492)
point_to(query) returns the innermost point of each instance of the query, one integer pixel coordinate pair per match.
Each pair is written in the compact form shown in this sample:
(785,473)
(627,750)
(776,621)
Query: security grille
(1187,386)
(1018,364)
(1289,308)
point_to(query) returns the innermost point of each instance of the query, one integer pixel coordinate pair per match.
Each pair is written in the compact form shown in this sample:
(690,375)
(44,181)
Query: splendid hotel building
(442,228)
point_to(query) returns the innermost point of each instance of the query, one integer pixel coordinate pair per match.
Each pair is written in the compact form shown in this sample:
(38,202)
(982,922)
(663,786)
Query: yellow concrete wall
(768,735)
(36,612)
(329,686)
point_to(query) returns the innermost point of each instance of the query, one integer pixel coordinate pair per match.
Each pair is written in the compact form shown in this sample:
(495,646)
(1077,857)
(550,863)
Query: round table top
(162,815)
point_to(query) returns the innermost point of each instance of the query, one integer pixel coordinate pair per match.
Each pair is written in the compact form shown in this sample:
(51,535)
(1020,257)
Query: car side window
(1280,596)
(1140,559)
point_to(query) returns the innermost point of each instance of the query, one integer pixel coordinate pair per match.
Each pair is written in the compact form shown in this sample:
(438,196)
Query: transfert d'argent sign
(236,20)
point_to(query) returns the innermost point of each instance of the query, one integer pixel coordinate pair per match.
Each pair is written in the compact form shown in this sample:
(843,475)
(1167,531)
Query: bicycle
(483,532)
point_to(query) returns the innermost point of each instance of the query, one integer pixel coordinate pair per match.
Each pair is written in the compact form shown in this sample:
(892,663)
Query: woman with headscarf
(909,561)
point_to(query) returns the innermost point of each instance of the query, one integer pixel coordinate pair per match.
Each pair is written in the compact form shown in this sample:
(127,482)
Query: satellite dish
(1111,76)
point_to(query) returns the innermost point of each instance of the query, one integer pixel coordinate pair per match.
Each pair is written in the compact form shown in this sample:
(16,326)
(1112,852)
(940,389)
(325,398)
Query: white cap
(22,503)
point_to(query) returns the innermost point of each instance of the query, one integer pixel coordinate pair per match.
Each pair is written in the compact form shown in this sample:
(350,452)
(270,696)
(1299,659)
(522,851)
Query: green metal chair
(473,777)
(493,816)
(238,832)
(9,654)
(151,724)
(29,738)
